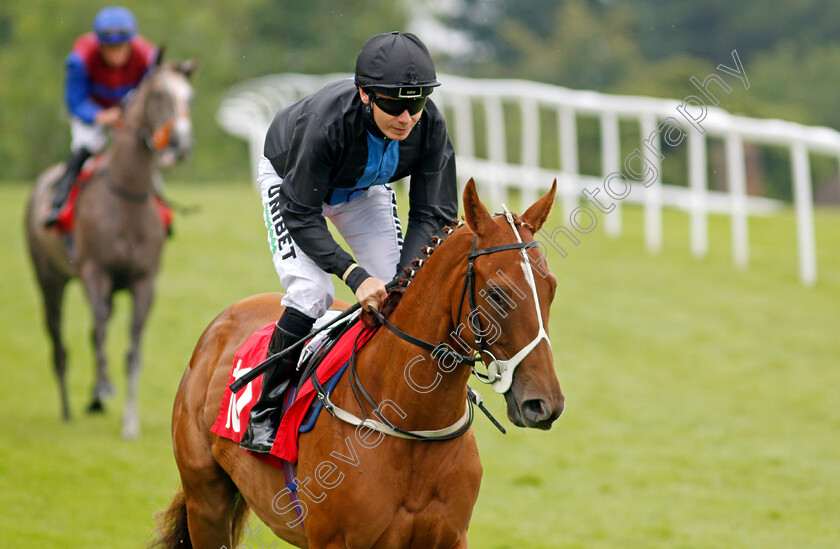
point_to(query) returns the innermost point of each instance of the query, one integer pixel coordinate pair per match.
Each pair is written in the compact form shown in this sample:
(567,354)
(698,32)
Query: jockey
(102,68)
(332,155)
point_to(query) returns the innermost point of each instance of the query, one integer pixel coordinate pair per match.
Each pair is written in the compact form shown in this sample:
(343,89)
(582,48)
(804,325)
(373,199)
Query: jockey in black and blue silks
(332,156)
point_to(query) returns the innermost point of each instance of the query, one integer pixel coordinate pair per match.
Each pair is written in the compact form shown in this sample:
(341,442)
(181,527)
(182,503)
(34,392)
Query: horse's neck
(430,396)
(132,162)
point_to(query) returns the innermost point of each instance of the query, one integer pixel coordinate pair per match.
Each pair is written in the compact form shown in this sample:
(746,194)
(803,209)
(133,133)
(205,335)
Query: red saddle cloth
(236,408)
(64,224)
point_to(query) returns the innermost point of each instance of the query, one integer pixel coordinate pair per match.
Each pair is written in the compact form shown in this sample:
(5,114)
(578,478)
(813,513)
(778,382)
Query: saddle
(64,224)
(66,216)
(326,356)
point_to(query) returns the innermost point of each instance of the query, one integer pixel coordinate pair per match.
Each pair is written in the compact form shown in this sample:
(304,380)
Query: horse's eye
(496,296)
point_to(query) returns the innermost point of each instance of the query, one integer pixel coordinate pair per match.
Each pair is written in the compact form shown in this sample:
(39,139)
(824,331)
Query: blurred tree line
(790,51)
(232,40)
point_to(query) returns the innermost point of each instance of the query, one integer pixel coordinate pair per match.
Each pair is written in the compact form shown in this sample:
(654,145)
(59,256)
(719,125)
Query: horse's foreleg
(52,289)
(142,293)
(98,287)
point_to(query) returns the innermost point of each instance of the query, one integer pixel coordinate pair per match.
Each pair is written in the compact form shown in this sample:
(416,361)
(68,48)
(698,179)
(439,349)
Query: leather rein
(155,138)
(500,373)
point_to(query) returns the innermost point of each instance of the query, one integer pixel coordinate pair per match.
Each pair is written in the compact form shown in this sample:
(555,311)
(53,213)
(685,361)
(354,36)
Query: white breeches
(90,136)
(368,223)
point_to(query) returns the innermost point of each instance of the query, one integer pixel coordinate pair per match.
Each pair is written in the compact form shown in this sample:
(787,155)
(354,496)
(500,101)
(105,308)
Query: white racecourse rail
(249,107)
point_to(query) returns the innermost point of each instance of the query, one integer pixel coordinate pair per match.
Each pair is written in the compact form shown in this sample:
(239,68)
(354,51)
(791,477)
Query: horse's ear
(160,52)
(475,213)
(539,210)
(188,67)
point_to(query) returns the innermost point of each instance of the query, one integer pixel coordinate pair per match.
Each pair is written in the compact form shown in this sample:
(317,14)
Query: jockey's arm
(77,91)
(108,117)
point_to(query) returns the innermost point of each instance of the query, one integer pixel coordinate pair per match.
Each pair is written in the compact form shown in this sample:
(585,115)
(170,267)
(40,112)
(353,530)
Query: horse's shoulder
(339,305)
(256,305)
(237,322)
(244,317)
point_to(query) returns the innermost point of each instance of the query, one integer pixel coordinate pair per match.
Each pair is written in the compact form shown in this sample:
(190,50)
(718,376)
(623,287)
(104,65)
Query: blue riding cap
(114,25)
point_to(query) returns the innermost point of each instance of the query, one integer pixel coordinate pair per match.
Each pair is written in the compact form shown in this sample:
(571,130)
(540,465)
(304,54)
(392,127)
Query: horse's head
(163,108)
(507,311)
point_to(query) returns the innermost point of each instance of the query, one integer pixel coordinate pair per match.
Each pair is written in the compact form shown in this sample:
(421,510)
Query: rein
(499,372)
(128,196)
(385,426)
(439,351)
(156,139)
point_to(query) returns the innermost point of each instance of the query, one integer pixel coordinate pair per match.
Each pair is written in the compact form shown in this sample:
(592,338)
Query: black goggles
(114,36)
(395,107)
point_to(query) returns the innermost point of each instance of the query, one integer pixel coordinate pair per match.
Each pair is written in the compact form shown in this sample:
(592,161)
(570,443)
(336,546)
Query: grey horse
(117,235)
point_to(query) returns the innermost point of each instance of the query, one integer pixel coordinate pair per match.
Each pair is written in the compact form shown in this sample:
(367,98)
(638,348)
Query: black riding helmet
(396,65)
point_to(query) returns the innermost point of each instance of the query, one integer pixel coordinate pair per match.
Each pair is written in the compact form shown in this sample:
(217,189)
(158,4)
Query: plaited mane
(394,296)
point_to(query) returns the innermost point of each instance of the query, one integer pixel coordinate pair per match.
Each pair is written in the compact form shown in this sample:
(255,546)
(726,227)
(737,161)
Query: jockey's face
(115,55)
(394,127)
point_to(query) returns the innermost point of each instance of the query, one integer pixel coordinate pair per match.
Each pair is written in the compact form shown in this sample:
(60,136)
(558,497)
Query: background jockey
(102,68)
(331,155)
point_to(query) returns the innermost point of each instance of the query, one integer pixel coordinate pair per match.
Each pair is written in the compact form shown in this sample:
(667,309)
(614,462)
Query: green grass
(703,402)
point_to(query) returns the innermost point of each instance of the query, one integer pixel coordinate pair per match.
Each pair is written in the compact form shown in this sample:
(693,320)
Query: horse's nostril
(535,409)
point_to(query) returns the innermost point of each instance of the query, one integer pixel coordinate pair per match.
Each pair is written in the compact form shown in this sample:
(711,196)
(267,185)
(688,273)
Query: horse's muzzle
(531,410)
(181,140)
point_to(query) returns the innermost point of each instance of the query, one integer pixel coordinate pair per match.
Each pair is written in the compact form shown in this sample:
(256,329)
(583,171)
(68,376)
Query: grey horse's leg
(99,287)
(142,292)
(52,289)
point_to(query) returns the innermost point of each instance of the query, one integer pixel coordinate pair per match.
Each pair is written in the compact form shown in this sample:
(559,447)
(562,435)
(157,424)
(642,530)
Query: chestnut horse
(359,488)
(117,233)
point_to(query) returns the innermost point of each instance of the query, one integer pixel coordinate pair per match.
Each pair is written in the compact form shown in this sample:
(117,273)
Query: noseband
(157,138)
(499,372)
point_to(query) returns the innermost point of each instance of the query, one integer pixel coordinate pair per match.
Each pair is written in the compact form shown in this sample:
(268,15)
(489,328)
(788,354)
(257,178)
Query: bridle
(157,138)
(499,372)
(386,426)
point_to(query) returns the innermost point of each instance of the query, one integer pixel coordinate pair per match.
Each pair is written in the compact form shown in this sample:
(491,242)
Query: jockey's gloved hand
(108,117)
(371,293)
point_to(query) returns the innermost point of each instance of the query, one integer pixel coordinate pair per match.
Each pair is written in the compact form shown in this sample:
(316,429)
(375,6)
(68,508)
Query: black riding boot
(264,422)
(65,183)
